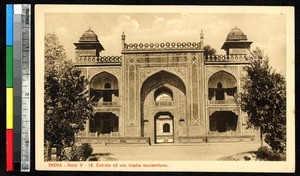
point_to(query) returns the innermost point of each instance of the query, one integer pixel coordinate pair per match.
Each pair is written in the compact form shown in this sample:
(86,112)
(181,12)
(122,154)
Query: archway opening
(223,121)
(105,124)
(163,127)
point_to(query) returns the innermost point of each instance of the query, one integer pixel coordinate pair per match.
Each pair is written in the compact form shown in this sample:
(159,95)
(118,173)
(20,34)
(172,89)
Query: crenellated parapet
(227,58)
(115,60)
(162,46)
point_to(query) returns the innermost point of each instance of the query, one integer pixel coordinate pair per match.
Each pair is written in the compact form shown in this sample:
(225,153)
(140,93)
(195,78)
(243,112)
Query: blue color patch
(9,24)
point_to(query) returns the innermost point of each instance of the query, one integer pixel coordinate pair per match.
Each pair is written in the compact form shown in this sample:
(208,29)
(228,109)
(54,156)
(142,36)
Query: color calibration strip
(9,88)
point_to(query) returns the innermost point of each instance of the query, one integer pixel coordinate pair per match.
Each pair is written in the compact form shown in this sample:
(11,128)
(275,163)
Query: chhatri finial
(201,39)
(123,41)
(123,36)
(201,35)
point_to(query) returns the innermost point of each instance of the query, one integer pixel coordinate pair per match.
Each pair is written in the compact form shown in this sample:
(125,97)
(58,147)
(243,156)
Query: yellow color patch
(9,108)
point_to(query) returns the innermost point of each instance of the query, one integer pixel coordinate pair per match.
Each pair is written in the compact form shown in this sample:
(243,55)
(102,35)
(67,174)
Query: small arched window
(219,85)
(107,85)
(220,92)
(166,128)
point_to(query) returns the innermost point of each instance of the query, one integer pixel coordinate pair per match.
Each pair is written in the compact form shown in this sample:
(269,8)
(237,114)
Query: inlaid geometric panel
(144,73)
(94,71)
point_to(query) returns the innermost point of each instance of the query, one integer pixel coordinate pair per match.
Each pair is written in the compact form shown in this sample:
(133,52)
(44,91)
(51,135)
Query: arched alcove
(103,87)
(222,86)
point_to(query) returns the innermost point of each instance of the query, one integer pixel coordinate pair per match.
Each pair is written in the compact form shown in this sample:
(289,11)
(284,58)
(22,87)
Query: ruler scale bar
(25,130)
(17,84)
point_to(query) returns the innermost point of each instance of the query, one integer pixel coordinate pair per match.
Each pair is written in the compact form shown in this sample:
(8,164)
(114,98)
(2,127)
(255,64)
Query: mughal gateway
(156,93)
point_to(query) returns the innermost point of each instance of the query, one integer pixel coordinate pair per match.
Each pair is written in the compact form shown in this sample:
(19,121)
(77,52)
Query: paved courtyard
(206,151)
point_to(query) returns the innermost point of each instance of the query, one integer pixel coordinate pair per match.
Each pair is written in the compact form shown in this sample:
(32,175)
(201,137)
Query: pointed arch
(225,78)
(99,80)
(163,90)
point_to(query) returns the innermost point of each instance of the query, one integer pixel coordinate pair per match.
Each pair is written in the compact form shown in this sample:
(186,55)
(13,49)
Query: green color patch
(9,66)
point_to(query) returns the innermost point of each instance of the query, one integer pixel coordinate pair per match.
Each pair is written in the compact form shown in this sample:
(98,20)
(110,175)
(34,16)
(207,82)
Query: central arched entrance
(163,105)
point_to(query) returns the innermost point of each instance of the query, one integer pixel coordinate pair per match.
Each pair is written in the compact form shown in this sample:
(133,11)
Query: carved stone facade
(164,93)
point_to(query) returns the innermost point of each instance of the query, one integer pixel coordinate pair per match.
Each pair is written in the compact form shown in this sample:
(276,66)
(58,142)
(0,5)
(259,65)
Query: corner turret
(236,43)
(88,45)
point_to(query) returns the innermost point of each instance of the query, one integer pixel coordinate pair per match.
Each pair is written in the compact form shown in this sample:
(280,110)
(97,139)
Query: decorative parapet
(100,59)
(162,46)
(226,58)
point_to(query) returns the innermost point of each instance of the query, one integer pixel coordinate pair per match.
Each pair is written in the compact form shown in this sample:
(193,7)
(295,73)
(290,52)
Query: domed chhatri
(88,45)
(236,34)
(89,36)
(236,43)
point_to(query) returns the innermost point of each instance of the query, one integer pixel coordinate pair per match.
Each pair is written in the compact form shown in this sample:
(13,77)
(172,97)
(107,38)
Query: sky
(267,31)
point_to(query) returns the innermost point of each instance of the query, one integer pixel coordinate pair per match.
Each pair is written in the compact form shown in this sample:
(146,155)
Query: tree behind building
(209,51)
(264,100)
